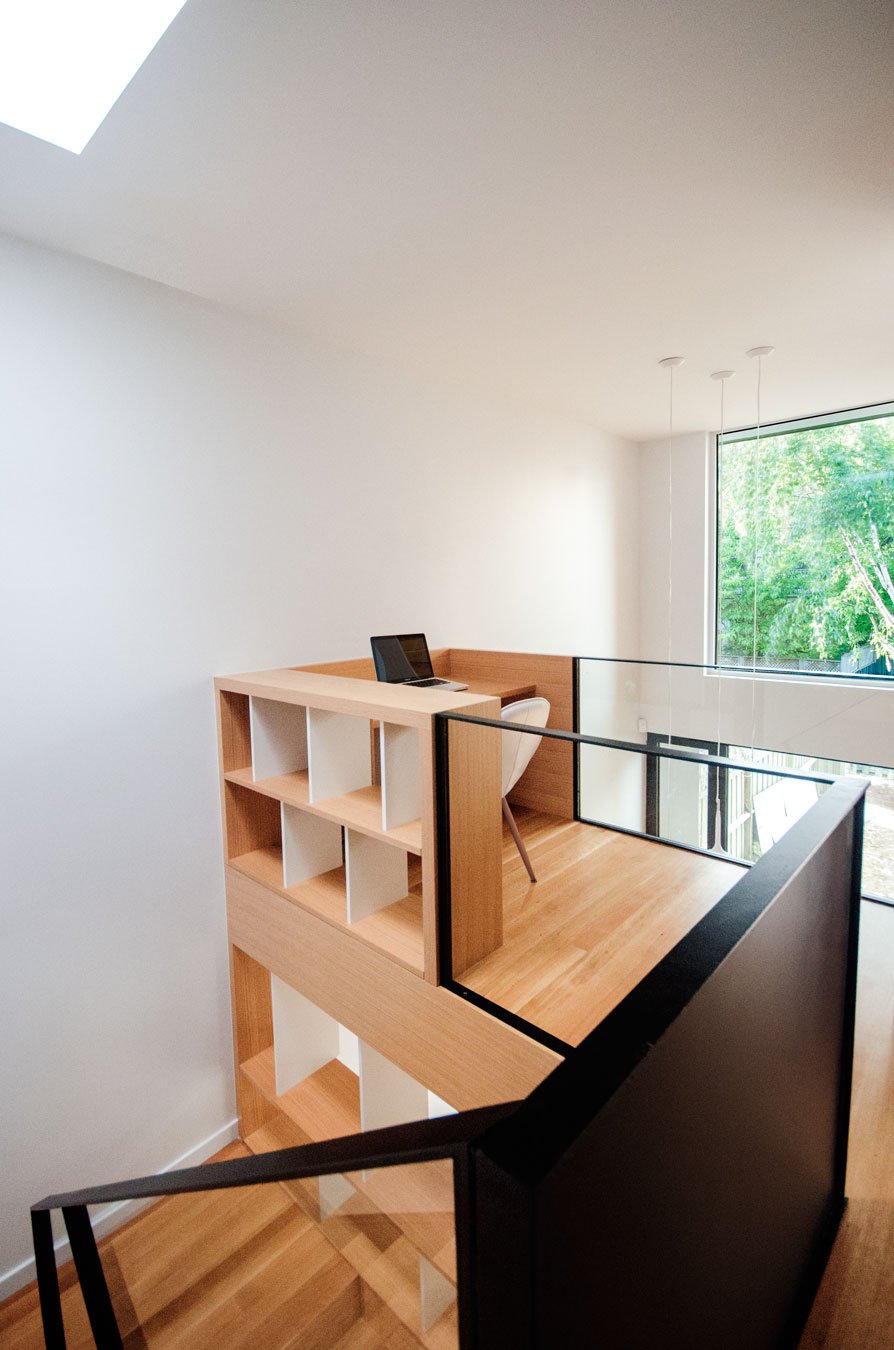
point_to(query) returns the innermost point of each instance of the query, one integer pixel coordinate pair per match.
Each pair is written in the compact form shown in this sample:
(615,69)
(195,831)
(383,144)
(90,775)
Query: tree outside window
(805,546)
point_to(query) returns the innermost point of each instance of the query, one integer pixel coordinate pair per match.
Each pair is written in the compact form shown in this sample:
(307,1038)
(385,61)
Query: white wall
(837,719)
(183,493)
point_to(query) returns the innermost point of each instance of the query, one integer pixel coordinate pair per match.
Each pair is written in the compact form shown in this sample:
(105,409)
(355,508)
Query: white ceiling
(538,199)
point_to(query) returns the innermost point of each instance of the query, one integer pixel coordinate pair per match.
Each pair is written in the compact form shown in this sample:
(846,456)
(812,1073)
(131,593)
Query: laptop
(403,658)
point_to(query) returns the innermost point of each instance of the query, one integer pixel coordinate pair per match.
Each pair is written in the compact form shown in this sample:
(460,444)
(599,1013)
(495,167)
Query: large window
(805,545)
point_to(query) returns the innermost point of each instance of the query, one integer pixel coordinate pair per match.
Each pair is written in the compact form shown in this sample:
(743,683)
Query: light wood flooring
(604,909)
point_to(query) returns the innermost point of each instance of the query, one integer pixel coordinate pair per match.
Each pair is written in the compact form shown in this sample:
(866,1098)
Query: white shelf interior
(388,1096)
(401,800)
(376,874)
(278,738)
(438,1107)
(310,845)
(304,1037)
(338,752)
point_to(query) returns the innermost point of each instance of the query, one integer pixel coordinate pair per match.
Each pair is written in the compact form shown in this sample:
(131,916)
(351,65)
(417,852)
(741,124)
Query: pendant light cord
(670,554)
(717,813)
(755,523)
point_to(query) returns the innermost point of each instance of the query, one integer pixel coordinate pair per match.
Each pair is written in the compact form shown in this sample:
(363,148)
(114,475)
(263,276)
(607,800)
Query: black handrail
(396,1145)
(419,1141)
(579,738)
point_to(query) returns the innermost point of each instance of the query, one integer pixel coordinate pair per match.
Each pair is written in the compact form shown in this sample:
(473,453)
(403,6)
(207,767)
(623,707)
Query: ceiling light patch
(63,65)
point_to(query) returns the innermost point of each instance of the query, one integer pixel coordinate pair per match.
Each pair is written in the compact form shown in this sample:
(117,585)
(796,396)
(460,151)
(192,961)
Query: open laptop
(403,658)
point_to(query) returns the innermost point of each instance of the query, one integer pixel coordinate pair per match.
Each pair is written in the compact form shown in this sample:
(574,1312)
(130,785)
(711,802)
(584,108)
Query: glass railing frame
(578,739)
(748,672)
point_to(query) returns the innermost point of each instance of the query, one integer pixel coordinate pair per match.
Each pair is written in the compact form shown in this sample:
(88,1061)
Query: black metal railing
(447,1137)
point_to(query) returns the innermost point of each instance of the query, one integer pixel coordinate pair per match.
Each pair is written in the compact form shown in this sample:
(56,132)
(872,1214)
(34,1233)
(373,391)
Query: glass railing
(557,913)
(783,723)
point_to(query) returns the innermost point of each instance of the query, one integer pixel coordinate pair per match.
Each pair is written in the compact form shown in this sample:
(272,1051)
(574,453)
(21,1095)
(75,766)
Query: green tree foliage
(806,544)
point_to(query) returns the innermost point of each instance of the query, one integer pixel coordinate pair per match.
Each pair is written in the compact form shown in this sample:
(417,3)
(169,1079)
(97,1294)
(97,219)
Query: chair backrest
(518,748)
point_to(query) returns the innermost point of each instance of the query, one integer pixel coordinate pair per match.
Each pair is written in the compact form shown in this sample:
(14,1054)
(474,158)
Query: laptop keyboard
(426,684)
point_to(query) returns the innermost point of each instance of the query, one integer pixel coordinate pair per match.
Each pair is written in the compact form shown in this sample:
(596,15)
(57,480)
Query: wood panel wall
(548,783)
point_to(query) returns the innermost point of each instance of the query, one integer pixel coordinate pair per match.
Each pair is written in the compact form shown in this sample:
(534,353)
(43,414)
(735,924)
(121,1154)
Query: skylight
(64,63)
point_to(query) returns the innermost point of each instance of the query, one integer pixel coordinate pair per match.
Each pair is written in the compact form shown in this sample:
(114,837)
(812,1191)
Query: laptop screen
(402,656)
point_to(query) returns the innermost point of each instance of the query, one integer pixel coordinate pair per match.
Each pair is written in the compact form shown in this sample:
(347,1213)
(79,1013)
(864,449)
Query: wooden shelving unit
(304,817)
(328,809)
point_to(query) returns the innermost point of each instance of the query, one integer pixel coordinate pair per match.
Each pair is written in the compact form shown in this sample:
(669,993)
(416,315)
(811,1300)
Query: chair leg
(510,821)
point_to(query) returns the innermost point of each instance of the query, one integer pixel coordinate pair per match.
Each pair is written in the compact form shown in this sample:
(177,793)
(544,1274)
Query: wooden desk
(506,693)
(548,784)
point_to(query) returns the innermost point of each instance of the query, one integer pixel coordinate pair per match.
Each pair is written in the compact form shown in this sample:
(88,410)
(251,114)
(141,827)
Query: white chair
(518,751)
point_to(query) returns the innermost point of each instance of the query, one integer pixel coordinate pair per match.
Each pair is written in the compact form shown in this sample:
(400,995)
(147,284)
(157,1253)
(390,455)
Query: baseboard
(113,1216)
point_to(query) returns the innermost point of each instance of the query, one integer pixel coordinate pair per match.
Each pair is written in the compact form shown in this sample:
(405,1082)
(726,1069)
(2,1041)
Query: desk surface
(506,687)
(504,690)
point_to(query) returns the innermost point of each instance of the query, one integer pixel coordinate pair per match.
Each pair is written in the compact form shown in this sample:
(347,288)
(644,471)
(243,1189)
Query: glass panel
(369,1254)
(605,905)
(818,727)
(683,799)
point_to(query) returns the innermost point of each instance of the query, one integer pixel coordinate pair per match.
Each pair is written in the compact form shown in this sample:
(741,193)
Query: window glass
(805,546)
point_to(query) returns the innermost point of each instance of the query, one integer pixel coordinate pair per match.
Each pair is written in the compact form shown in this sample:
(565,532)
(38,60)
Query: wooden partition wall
(548,782)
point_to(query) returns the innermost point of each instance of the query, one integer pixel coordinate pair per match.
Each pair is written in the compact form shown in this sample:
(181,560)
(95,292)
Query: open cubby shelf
(395,929)
(359,810)
(326,1105)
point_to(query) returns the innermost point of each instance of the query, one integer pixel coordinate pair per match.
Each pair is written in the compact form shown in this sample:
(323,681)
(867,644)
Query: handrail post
(464,1229)
(97,1301)
(47,1279)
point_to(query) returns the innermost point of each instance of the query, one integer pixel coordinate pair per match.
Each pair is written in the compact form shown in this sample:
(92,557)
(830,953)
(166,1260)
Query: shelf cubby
(338,754)
(311,846)
(388,1096)
(377,875)
(253,833)
(319,1082)
(401,799)
(278,737)
(360,810)
(304,1037)
(235,731)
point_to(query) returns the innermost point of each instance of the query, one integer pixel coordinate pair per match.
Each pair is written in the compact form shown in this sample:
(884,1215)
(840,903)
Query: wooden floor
(605,908)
